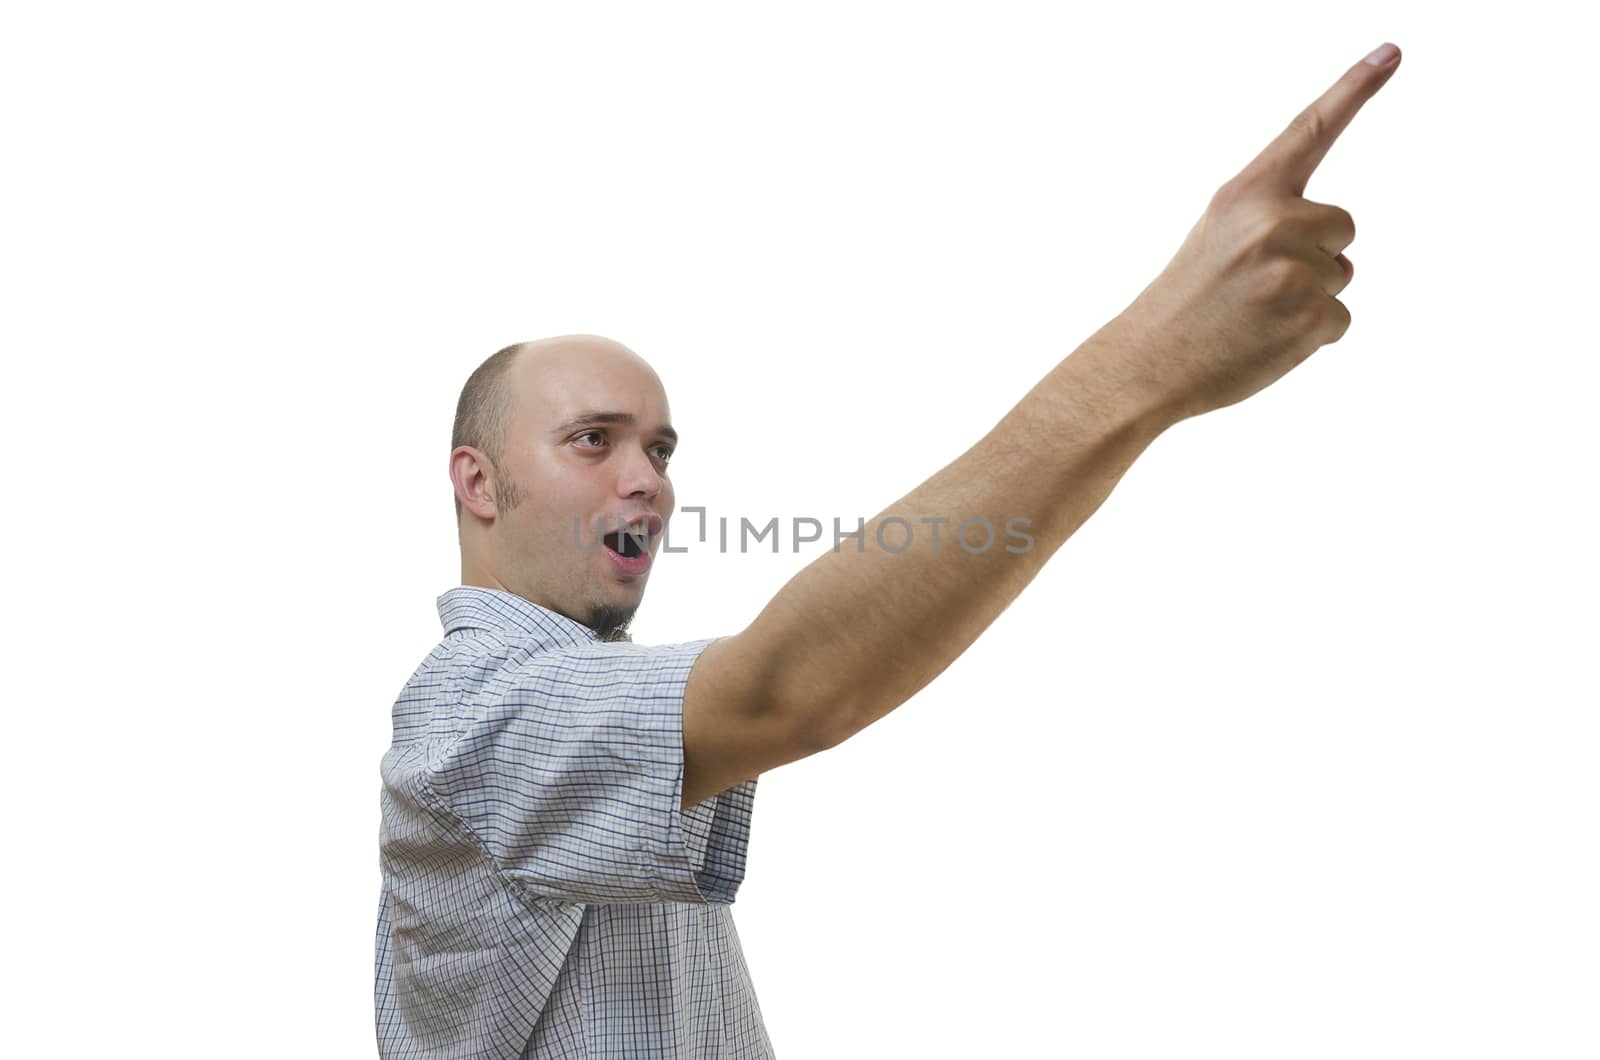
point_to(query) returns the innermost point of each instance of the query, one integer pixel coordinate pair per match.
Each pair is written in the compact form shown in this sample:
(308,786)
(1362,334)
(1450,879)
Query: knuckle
(1329,316)
(1281,279)
(1337,221)
(1227,196)
(1339,277)
(1342,315)
(1275,226)
(1347,222)
(1309,124)
(1224,204)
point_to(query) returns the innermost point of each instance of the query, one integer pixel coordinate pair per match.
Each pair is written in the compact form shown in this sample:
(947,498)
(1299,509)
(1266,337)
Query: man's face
(579,476)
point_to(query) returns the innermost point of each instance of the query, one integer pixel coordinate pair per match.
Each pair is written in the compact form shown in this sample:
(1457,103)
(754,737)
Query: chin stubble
(611,623)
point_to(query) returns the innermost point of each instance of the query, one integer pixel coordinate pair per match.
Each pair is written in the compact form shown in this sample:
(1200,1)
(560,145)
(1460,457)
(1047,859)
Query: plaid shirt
(543,893)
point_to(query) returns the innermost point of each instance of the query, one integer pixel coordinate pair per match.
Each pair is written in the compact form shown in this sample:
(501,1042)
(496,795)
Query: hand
(1254,289)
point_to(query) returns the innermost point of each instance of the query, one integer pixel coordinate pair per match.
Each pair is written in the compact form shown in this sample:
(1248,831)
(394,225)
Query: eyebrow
(586,419)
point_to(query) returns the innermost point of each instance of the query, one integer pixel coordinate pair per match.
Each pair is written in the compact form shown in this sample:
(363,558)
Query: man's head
(565,434)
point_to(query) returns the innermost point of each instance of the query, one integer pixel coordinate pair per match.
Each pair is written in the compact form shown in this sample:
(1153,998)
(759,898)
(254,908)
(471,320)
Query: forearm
(858,632)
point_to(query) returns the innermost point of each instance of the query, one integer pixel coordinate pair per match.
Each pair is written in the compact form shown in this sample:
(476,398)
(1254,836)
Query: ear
(473,480)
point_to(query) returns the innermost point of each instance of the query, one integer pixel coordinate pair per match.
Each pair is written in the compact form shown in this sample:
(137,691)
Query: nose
(638,476)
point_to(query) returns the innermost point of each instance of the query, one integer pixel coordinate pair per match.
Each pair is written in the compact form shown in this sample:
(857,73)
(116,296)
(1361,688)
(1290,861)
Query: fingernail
(1383,54)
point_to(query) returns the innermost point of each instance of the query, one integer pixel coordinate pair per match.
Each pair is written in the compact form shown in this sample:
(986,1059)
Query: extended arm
(857,633)
(1251,293)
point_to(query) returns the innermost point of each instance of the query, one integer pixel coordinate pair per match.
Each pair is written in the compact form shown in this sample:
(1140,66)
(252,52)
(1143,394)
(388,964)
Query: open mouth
(626,544)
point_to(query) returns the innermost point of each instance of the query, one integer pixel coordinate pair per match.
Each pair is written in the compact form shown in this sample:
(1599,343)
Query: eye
(663,452)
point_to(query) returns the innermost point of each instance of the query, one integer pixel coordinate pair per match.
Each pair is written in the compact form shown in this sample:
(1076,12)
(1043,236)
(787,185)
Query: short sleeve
(569,772)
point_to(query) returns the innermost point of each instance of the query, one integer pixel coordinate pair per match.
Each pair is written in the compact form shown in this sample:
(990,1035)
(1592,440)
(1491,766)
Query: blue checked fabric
(543,894)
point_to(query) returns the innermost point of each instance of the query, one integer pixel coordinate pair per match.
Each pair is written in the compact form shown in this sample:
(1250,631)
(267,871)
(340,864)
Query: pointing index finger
(1288,161)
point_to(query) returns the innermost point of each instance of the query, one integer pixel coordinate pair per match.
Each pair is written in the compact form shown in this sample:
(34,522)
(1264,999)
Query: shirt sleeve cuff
(699,853)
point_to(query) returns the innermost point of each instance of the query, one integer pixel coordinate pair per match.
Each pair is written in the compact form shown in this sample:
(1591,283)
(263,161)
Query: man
(566,813)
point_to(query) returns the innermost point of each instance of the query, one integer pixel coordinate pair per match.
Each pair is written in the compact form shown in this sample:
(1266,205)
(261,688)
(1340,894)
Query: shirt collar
(479,607)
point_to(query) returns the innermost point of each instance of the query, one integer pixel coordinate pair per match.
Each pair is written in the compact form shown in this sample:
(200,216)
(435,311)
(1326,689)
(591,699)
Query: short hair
(483,416)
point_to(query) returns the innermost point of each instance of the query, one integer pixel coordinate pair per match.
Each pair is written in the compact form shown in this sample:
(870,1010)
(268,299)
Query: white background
(1289,752)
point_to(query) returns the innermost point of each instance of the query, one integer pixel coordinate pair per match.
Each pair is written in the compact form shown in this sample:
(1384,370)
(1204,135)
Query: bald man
(566,813)
(559,444)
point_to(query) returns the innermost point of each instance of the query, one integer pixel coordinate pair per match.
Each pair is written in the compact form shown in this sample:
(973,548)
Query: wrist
(1121,365)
